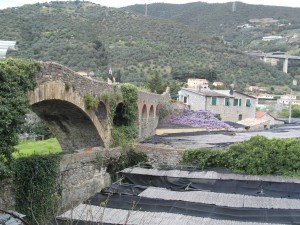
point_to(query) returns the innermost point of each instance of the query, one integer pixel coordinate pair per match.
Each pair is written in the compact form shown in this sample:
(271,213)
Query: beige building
(218,84)
(234,106)
(264,116)
(197,84)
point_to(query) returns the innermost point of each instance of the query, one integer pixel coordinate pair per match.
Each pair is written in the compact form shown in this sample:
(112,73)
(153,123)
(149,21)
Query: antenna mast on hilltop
(146,9)
(233,6)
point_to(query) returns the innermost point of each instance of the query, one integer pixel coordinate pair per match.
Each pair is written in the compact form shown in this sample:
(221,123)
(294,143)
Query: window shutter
(235,102)
(248,103)
(213,100)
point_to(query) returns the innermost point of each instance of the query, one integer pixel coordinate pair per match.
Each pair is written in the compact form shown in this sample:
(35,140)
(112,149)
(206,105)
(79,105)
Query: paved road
(214,140)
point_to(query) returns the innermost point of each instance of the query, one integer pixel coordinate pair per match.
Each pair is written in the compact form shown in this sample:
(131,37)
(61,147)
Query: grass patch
(28,148)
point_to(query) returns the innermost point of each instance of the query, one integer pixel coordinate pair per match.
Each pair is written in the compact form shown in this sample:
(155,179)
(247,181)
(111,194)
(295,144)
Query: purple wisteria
(201,118)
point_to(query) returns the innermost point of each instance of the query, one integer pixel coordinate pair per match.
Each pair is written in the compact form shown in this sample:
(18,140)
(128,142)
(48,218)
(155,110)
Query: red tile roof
(259,115)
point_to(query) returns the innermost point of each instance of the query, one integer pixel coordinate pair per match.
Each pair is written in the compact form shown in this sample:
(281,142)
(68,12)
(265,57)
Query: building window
(240,102)
(227,101)
(248,102)
(240,117)
(235,102)
(213,100)
(185,99)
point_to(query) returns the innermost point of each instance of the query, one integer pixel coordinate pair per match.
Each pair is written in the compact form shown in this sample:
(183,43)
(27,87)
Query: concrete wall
(195,101)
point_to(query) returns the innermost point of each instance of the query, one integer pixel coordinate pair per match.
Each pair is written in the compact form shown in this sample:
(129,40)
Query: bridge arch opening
(151,112)
(144,121)
(70,124)
(101,112)
(119,119)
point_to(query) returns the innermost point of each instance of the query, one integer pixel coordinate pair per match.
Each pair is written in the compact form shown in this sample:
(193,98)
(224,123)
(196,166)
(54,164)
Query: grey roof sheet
(224,199)
(208,175)
(119,216)
(206,92)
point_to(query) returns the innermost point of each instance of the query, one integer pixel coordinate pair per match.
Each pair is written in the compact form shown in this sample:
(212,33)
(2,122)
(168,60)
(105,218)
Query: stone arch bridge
(58,99)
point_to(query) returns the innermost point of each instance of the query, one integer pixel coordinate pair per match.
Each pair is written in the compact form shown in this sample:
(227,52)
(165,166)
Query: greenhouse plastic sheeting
(126,202)
(246,187)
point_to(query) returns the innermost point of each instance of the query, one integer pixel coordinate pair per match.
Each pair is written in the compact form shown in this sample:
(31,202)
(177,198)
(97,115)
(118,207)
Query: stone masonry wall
(158,156)
(51,71)
(81,177)
(7,195)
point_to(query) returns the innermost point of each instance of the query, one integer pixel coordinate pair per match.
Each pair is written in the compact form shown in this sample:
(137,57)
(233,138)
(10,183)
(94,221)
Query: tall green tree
(155,84)
(16,78)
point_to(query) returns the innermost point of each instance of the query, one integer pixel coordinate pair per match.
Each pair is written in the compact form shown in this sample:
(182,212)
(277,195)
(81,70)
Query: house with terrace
(229,105)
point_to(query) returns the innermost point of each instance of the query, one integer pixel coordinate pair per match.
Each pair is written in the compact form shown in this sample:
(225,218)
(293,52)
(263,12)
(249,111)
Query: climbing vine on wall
(124,133)
(90,101)
(37,188)
(16,79)
(130,98)
(127,159)
(111,100)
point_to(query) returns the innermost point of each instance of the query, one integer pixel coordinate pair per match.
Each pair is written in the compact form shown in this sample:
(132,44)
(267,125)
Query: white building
(265,96)
(230,106)
(286,99)
(4,46)
(271,38)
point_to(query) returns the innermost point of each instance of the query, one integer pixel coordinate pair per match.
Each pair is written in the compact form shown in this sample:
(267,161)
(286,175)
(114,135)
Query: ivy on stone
(16,78)
(37,189)
(130,98)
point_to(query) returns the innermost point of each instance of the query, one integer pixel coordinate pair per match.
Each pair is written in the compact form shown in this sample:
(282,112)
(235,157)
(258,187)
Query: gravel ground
(220,139)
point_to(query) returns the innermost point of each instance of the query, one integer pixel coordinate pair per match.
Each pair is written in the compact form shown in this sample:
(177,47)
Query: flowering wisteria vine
(201,118)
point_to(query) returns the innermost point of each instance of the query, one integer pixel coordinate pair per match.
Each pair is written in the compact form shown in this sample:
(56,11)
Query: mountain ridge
(86,36)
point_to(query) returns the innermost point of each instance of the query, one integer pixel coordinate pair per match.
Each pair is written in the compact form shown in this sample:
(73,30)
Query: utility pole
(146,10)
(290,108)
(233,6)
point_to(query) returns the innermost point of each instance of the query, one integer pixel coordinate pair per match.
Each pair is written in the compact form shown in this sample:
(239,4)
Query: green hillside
(89,37)
(220,20)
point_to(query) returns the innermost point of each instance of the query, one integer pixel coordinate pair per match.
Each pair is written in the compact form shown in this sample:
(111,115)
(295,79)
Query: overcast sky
(120,3)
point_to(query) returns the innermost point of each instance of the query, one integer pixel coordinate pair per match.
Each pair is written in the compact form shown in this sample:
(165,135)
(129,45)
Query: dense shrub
(90,101)
(127,159)
(204,158)
(130,98)
(257,156)
(261,155)
(123,135)
(36,187)
(16,78)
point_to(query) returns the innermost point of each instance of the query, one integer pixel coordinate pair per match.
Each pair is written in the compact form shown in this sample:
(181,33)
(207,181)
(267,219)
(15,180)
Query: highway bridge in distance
(276,55)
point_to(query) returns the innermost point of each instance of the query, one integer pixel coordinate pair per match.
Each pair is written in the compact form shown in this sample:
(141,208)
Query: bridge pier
(285,65)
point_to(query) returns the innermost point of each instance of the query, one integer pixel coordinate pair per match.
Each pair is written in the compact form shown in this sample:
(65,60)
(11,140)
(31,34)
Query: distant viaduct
(264,56)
